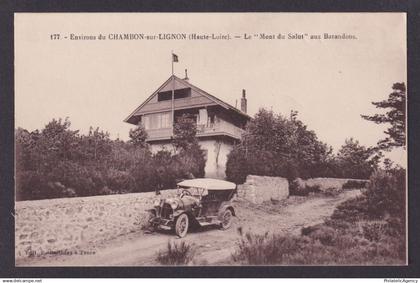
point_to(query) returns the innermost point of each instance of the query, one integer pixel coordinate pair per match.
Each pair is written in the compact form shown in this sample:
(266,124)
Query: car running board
(206,223)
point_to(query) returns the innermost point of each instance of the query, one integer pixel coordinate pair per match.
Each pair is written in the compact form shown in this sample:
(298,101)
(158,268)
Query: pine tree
(395,116)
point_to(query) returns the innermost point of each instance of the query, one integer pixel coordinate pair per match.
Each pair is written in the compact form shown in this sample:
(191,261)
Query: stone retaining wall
(258,189)
(56,225)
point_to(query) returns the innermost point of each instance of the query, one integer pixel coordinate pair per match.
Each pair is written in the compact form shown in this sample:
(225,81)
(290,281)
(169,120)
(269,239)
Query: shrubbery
(384,197)
(355,184)
(176,254)
(254,249)
(273,145)
(385,194)
(58,162)
(323,246)
(298,188)
(369,229)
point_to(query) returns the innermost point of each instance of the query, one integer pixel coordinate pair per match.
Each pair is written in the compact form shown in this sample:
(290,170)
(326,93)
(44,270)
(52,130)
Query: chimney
(186,75)
(243,101)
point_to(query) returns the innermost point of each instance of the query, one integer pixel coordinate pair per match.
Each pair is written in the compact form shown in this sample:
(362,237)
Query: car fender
(224,206)
(191,217)
(178,212)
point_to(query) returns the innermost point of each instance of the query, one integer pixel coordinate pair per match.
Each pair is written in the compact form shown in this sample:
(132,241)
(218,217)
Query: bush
(29,185)
(384,198)
(264,249)
(373,231)
(385,194)
(319,245)
(191,162)
(118,181)
(57,162)
(236,166)
(176,254)
(299,188)
(332,191)
(395,227)
(325,234)
(355,184)
(353,235)
(274,145)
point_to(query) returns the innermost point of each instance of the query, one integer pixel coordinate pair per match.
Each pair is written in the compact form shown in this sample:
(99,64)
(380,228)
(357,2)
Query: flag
(174,57)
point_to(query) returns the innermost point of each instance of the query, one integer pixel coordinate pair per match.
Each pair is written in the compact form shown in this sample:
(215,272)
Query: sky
(100,82)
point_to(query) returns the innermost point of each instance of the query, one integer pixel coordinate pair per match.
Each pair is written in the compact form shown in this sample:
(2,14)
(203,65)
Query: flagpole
(172,60)
(173,93)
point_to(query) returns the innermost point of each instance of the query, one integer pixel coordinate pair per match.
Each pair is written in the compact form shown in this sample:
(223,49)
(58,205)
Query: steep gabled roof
(180,83)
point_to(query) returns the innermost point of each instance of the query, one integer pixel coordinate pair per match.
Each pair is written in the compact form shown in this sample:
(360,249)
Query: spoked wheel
(181,225)
(226,219)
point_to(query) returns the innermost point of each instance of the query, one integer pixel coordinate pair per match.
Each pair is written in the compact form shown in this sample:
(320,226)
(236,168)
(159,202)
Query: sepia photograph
(210,139)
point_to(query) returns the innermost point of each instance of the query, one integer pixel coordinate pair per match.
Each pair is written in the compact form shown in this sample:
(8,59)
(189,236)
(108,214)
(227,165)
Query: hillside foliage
(59,162)
(274,145)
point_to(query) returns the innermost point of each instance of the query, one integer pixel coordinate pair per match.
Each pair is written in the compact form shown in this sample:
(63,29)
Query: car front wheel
(181,225)
(226,219)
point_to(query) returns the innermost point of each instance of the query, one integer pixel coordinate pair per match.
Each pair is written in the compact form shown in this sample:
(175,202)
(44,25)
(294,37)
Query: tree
(190,156)
(357,161)
(395,116)
(43,159)
(138,136)
(236,165)
(58,141)
(164,171)
(96,145)
(185,131)
(273,145)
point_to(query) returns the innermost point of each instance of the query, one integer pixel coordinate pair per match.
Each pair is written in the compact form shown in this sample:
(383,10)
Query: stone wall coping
(89,199)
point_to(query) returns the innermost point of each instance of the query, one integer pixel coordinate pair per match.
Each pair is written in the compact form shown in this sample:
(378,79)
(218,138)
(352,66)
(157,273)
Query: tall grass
(176,254)
(322,246)
(366,230)
(264,249)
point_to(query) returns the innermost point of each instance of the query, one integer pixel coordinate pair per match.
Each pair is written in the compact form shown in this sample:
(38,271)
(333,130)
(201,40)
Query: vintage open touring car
(202,202)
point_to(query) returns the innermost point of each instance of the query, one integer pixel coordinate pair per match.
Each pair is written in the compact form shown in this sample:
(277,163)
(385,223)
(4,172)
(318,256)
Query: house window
(146,122)
(202,117)
(178,93)
(157,121)
(165,120)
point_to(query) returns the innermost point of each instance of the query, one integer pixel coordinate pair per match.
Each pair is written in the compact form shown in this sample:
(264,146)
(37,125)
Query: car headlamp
(173,204)
(156,202)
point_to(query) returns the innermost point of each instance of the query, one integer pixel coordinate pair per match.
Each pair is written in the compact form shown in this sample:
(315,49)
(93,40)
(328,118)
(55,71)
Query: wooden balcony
(159,134)
(221,128)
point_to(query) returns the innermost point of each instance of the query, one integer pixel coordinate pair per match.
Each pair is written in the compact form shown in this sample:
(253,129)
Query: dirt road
(213,246)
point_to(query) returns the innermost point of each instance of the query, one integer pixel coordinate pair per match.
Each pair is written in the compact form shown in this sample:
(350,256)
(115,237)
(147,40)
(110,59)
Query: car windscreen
(193,191)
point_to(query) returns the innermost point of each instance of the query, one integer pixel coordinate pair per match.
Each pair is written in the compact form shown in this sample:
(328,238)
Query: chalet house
(219,125)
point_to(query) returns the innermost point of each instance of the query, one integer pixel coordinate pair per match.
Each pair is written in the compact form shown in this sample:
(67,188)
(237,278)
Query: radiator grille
(166,211)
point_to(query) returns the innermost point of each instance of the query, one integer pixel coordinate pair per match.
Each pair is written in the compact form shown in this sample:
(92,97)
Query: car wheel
(226,219)
(181,225)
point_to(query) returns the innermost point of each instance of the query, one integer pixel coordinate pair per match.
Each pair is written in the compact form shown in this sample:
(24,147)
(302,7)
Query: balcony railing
(220,128)
(159,134)
(215,129)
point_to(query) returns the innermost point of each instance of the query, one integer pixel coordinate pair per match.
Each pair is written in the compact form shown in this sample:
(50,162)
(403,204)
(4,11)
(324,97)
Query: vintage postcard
(210,139)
